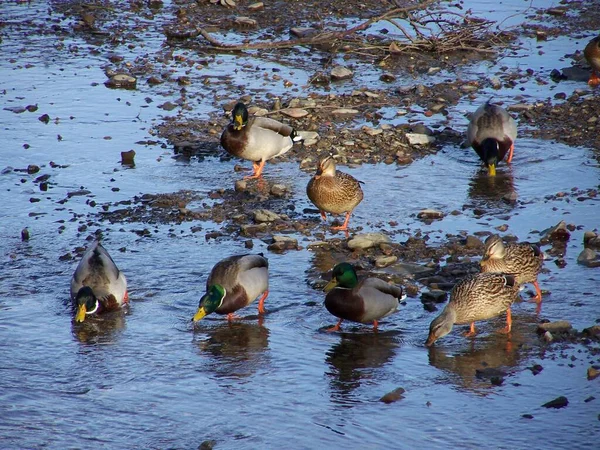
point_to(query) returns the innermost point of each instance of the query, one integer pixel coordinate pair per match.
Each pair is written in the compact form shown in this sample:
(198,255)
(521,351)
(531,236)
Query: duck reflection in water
(236,349)
(493,192)
(473,369)
(354,359)
(104,329)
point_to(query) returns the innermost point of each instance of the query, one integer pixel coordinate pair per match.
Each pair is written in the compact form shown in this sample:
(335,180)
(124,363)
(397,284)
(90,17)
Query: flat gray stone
(367,240)
(264,215)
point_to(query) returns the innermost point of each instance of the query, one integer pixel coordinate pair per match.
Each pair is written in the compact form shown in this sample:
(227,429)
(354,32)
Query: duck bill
(333,283)
(430,340)
(80,316)
(199,314)
(238,122)
(492,170)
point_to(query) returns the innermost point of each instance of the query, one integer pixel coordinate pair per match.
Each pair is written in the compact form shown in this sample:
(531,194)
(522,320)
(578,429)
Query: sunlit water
(148,379)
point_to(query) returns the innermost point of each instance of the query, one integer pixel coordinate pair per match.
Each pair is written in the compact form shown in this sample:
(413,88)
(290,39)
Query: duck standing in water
(492,133)
(523,260)
(97,284)
(366,301)
(334,192)
(256,139)
(476,297)
(234,283)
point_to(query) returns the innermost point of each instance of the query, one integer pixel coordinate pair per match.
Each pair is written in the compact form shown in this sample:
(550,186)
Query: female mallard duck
(97,284)
(234,283)
(368,301)
(257,139)
(492,133)
(592,56)
(476,297)
(333,191)
(523,260)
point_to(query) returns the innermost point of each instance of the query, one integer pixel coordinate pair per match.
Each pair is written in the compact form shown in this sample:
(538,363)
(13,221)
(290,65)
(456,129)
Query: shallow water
(148,379)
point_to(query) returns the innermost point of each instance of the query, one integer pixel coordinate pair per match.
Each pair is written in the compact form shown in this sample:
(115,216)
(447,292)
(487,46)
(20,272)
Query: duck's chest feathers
(345,304)
(234,141)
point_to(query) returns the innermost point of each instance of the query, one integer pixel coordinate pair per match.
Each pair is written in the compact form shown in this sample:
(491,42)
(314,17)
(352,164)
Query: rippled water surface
(148,379)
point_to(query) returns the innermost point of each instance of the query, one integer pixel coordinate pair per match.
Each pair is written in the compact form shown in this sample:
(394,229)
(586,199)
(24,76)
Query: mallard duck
(333,191)
(476,297)
(234,283)
(97,284)
(365,302)
(256,139)
(492,133)
(523,260)
(592,56)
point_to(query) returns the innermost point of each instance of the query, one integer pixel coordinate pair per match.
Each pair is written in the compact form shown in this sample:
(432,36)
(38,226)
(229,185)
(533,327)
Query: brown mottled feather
(592,54)
(524,260)
(333,191)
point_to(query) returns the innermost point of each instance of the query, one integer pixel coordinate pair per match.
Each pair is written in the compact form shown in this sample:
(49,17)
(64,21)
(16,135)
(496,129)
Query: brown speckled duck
(363,302)
(234,283)
(592,56)
(476,297)
(333,191)
(523,260)
(256,139)
(97,284)
(492,133)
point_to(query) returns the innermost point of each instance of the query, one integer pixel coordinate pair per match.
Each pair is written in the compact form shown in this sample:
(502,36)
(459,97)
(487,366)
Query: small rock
(473,242)
(122,81)
(593,331)
(387,77)
(241,185)
(303,32)
(592,373)
(296,113)
(393,396)
(588,257)
(433,70)
(207,445)
(510,197)
(419,139)
(344,111)
(278,190)
(32,168)
(560,326)
(384,261)
(536,369)
(367,240)
(265,215)
(434,295)
(25,234)
(371,131)
(527,416)
(430,214)
(559,402)
(520,107)
(282,243)
(127,158)
(251,230)
(548,337)
(256,6)
(308,137)
(341,73)
(495,82)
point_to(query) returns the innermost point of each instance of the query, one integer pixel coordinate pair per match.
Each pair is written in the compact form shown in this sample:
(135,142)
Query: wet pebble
(495,82)
(296,113)
(32,168)
(559,326)
(339,73)
(473,242)
(127,158)
(536,369)
(278,190)
(241,185)
(308,138)
(367,240)
(393,396)
(384,261)
(434,295)
(588,258)
(121,81)
(592,373)
(265,215)
(282,243)
(25,234)
(559,402)
(430,214)
(419,139)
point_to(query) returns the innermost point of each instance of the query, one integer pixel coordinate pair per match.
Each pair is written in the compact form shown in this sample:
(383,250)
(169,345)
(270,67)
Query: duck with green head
(234,283)
(492,133)
(97,284)
(366,301)
(256,139)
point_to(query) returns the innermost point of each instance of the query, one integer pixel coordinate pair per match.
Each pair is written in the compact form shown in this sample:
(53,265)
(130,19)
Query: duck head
(210,301)
(440,326)
(491,150)
(344,276)
(240,116)
(87,303)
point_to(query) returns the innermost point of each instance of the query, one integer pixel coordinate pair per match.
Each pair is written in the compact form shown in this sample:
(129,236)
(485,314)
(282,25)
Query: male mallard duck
(333,191)
(592,56)
(523,260)
(476,297)
(234,283)
(257,139)
(492,133)
(368,301)
(97,284)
